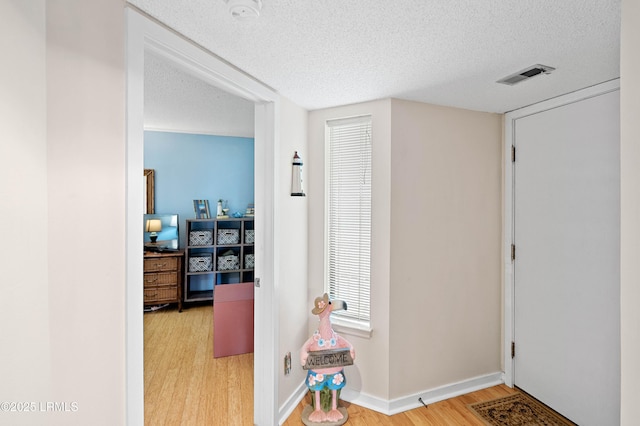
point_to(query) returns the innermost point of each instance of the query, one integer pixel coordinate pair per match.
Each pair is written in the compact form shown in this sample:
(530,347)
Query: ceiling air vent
(526,74)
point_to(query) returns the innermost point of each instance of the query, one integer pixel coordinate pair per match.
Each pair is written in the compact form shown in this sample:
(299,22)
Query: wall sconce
(296,177)
(154,226)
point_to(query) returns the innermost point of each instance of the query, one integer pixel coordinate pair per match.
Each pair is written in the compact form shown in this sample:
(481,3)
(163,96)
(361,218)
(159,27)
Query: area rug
(517,410)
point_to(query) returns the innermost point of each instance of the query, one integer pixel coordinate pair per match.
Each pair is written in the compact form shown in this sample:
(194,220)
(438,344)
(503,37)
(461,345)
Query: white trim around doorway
(144,34)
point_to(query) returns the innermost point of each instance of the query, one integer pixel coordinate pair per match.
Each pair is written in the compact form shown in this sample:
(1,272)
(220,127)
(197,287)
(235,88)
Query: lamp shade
(154,225)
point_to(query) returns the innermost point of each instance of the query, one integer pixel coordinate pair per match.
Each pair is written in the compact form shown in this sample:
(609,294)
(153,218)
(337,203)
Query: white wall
(370,374)
(445,246)
(436,277)
(76,164)
(86,186)
(24,307)
(63,173)
(630,211)
(292,221)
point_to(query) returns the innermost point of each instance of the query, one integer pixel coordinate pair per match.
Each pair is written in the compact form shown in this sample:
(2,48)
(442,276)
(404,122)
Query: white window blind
(349,215)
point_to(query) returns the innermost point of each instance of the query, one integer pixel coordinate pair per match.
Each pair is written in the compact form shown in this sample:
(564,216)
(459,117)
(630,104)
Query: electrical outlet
(287,364)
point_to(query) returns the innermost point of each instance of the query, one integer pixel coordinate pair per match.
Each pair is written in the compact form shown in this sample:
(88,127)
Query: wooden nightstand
(163,278)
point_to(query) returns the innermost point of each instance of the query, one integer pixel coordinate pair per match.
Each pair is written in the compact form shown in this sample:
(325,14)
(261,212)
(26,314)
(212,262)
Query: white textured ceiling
(322,53)
(177,101)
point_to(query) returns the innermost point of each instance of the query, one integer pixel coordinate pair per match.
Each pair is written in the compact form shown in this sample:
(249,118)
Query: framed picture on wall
(201,207)
(149,193)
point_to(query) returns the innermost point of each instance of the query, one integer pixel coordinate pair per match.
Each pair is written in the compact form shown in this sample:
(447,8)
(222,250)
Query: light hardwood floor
(185,385)
(452,412)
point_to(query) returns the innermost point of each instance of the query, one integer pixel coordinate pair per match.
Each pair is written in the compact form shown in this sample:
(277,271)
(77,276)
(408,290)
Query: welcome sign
(328,358)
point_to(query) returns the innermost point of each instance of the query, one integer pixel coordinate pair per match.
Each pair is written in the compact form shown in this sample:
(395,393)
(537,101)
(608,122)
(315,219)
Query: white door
(566,272)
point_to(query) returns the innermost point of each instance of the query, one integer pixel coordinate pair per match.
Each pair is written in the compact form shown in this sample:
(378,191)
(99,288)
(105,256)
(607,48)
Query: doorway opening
(199,140)
(145,35)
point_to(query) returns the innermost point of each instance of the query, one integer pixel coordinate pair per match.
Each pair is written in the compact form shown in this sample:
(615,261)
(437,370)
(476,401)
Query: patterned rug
(517,410)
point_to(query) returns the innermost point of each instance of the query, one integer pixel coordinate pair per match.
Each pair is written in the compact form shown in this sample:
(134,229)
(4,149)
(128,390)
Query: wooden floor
(185,385)
(453,412)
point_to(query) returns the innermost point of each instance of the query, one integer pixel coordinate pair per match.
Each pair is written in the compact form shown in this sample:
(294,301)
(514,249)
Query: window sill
(351,327)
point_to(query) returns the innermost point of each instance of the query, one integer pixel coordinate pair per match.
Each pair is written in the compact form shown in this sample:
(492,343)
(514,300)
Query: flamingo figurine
(332,377)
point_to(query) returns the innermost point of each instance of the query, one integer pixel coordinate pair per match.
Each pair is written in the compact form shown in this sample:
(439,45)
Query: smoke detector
(244,10)
(526,74)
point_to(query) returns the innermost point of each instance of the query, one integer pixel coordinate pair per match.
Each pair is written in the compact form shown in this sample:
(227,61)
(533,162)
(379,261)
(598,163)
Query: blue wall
(192,167)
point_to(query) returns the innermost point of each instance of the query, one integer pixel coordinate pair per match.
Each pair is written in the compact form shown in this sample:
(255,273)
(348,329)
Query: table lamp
(154,226)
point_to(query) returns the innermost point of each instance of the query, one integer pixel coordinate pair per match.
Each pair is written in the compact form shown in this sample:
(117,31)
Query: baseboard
(409,402)
(287,408)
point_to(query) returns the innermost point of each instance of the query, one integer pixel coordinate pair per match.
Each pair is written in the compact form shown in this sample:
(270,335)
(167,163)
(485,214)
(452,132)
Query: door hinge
(256,282)
(513,349)
(513,252)
(513,154)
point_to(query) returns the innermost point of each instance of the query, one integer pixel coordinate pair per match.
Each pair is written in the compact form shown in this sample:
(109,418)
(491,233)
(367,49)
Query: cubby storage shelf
(199,296)
(216,244)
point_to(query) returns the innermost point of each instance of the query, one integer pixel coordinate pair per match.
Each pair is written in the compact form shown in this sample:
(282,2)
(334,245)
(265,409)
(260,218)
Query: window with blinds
(349,216)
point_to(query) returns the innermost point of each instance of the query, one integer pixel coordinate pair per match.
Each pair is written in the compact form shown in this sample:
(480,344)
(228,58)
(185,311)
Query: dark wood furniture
(163,277)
